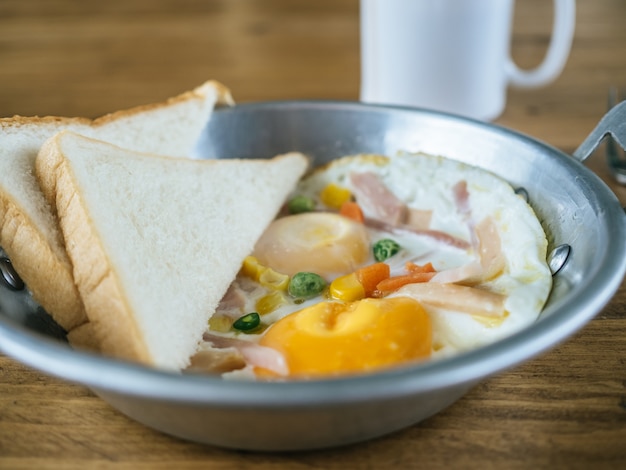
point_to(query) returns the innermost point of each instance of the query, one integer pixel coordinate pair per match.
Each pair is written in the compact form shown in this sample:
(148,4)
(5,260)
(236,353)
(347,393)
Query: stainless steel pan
(575,207)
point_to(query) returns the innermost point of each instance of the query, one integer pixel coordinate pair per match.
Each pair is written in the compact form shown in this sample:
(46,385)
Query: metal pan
(576,208)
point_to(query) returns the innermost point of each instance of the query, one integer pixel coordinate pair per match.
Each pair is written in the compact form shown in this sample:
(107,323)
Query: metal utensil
(615,157)
(613,124)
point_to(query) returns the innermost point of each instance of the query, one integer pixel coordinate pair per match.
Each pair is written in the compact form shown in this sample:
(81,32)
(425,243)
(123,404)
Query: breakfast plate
(580,215)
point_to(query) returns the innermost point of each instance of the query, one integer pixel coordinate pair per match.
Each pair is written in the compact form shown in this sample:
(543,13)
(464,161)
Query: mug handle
(558,50)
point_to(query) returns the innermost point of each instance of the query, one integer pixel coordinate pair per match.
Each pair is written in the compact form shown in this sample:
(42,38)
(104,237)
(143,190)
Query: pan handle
(613,123)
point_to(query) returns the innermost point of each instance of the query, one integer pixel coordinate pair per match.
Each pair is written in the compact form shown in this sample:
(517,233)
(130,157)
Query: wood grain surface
(565,409)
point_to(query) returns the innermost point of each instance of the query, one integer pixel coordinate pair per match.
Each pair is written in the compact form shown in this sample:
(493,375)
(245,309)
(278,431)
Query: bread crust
(84,337)
(50,272)
(224,98)
(98,286)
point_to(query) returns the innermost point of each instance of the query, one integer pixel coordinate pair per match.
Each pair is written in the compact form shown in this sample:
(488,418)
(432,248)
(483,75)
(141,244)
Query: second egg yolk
(335,338)
(320,242)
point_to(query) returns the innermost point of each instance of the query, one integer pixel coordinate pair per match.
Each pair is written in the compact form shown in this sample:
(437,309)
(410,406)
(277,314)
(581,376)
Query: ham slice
(233,301)
(454,297)
(390,214)
(437,235)
(233,304)
(461,199)
(490,262)
(216,360)
(254,354)
(374,197)
(419,219)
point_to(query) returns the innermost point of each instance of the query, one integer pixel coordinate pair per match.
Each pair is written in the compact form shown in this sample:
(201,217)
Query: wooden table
(566,409)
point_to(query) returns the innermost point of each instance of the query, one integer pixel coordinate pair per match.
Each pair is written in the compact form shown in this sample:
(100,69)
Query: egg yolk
(324,243)
(334,338)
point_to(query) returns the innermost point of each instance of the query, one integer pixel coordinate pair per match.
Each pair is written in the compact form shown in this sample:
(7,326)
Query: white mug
(451,55)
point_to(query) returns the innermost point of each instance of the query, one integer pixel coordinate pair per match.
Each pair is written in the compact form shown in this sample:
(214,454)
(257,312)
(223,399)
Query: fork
(612,124)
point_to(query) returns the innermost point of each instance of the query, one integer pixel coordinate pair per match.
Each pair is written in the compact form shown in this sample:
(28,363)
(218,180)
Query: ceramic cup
(451,55)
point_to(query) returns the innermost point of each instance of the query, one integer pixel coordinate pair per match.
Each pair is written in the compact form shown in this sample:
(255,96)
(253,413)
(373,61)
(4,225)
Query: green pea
(247,322)
(385,248)
(300,204)
(306,285)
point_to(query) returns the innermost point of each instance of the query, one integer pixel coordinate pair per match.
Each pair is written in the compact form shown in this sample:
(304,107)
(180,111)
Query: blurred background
(139,51)
(88,58)
(60,57)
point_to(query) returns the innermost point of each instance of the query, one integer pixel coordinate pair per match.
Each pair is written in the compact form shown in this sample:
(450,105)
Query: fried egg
(410,258)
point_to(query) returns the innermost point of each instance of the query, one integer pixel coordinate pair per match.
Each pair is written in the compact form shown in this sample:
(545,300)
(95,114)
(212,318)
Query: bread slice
(28,228)
(155,242)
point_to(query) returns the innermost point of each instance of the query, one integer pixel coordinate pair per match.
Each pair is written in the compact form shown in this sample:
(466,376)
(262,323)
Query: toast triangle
(155,242)
(28,228)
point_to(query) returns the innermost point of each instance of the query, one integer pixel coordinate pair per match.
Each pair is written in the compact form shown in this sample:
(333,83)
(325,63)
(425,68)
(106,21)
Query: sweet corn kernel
(273,280)
(220,323)
(270,302)
(347,288)
(252,268)
(265,276)
(334,196)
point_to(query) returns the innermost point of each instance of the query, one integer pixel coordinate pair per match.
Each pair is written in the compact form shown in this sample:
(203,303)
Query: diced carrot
(394,283)
(370,276)
(416,268)
(352,210)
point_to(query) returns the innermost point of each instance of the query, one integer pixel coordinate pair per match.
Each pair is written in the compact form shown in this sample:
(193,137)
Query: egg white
(425,182)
